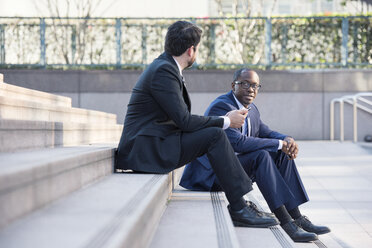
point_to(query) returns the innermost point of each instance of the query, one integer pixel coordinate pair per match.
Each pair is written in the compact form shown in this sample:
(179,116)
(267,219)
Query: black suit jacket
(158,112)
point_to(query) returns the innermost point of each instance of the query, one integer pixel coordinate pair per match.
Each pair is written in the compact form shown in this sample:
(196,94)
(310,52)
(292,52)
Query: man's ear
(233,86)
(190,50)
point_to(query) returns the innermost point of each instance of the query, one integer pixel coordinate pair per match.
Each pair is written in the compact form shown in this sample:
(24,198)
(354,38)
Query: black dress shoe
(248,217)
(254,206)
(297,234)
(306,224)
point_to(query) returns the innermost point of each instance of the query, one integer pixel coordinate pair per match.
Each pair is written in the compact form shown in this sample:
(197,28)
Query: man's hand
(237,117)
(290,147)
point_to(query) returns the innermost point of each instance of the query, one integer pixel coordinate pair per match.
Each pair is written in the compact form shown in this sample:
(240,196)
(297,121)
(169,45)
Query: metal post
(344,49)
(118,42)
(73,44)
(355,123)
(341,120)
(284,42)
(2,45)
(42,42)
(332,121)
(355,41)
(268,27)
(143,45)
(212,47)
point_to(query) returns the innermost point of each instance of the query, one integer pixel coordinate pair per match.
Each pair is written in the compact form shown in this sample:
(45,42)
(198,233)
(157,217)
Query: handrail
(352,100)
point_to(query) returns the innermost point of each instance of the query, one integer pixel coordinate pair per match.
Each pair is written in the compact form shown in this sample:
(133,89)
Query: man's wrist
(280,146)
(226,122)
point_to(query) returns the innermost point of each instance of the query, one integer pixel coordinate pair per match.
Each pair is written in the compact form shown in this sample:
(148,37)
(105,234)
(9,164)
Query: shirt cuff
(226,122)
(280,145)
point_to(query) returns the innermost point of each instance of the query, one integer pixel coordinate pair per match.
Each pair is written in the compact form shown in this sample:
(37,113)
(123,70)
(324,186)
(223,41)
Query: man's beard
(191,62)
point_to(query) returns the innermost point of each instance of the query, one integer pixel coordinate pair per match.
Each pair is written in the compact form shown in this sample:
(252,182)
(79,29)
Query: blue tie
(246,126)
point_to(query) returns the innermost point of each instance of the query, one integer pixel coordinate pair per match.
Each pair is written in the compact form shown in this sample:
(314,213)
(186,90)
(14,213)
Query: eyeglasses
(246,85)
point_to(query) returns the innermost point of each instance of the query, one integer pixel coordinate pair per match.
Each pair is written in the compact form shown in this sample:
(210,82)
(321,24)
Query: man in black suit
(160,134)
(267,157)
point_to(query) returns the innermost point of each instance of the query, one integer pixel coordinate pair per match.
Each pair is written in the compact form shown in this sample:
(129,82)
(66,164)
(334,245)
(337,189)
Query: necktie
(246,130)
(249,126)
(183,80)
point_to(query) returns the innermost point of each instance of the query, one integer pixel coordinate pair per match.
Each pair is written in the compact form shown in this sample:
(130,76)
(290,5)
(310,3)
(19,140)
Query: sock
(238,204)
(295,213)
(282,214)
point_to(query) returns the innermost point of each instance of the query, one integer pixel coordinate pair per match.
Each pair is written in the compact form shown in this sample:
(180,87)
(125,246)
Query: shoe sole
(242,224)
(305,240)
(320,233)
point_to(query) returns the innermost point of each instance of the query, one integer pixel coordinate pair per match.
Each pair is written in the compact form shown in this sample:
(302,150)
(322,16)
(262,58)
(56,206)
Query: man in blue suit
(266,156)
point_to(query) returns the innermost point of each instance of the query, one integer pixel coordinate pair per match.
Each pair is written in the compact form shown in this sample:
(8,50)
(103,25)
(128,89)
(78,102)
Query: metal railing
(353,100)
(279,42)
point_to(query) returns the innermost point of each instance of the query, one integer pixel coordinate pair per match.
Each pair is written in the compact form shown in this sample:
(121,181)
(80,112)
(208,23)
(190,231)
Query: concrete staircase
(57,187)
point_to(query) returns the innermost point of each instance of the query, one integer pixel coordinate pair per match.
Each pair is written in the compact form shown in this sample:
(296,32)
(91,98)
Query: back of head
(181,35)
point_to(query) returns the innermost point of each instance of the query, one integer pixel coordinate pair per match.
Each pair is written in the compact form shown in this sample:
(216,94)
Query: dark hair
(239,72)
(181,35)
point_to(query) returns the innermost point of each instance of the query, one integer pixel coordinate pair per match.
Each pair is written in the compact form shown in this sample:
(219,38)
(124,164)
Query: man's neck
(181,62)
(240,105)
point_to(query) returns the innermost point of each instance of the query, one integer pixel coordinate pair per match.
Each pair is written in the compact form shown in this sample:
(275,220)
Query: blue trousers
(276,177)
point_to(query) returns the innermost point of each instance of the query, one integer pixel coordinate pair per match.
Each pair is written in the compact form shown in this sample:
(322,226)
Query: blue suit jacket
(199,175)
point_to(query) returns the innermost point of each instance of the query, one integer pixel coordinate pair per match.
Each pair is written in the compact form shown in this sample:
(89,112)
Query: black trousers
(276,177)
(213,141)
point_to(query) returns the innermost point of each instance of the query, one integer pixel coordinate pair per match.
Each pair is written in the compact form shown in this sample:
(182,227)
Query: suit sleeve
(167,92)
(242,143)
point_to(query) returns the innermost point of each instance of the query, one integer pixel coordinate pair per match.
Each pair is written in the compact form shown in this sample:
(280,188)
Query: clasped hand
(290,147)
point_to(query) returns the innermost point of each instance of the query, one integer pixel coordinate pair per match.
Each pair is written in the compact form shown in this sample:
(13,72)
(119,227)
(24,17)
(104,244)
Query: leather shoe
(248,217)
(254,206)
(297,234)
(306,224)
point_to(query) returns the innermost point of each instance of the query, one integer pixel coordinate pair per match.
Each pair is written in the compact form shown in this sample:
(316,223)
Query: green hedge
(291,42)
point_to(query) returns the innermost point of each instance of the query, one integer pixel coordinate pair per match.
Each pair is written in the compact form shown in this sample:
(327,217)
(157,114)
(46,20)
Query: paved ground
(338,179)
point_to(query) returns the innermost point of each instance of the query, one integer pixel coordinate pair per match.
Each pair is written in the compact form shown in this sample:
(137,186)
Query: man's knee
(215,132)
(263,155)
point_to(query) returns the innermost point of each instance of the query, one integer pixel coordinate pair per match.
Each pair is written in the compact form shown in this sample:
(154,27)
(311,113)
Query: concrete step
(18,109)
(121,210)
(195,219)
(22,93)
(32,179)
(18,135)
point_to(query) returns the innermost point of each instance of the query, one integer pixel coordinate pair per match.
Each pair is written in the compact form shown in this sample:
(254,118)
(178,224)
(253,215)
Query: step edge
(21,103)
(34,93)
(143,205)
(53,167)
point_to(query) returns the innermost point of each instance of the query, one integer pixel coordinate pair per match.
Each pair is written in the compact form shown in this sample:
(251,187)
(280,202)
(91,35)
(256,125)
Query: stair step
(32,179)
(121,210)
(18,109)
(195,219)
(18,135)
(22,93)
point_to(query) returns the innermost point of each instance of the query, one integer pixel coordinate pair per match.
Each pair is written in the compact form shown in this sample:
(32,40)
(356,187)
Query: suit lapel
(186,96)
(232,100)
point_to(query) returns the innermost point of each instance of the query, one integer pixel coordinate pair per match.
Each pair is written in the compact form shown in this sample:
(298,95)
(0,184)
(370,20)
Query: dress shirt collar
(178,65)
(237,102)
